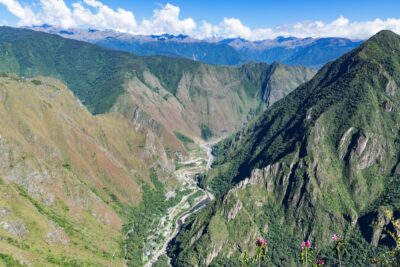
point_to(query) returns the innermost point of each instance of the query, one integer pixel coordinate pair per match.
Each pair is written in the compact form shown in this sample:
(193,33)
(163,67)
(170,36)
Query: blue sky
(258,13)
(205,18)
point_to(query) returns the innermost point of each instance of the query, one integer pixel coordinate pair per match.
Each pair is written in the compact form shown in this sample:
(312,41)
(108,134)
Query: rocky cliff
(322,160)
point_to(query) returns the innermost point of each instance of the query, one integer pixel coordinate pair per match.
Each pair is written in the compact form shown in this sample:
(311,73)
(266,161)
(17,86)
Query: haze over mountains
(309,52)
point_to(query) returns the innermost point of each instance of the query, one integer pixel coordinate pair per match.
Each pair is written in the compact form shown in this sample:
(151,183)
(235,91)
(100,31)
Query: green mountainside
(68,179)
(324,159)
(90,139)
(167,94)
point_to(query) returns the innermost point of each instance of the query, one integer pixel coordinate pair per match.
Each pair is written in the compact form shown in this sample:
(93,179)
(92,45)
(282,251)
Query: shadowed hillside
(166,94)
(322,160)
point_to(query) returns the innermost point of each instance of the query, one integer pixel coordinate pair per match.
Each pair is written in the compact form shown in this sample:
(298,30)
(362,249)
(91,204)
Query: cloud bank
(166,19)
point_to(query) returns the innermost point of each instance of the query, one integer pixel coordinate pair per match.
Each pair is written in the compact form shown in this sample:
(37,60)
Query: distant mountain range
(309,52)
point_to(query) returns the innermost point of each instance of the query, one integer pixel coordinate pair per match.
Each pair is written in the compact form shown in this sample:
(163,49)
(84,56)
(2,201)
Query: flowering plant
(338,247)
(261,250)
(307,254)
(261,253)
(320,262)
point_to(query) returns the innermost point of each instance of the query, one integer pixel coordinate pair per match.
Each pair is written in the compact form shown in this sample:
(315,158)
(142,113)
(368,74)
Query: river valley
(193,201)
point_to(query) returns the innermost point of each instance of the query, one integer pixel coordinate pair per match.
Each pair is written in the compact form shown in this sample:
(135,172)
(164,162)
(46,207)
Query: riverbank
(171,223)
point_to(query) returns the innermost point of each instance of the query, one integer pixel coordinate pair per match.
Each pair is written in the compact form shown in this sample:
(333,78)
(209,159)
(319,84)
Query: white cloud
(24,13)
(232,27)
(166,19)
(93,3)
(56,12)
(105,17)
(340,27)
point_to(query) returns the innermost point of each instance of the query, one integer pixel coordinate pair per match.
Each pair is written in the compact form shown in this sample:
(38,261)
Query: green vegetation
(145,217)
(67,166)
(180,165)
(323,159)
(392,257)
(63,260)
(170,76)
(95,75)
(98,76)
(37,82)
(162,262)
(183,138)
(194,196)
(9,261)
(206,132)
(58,219)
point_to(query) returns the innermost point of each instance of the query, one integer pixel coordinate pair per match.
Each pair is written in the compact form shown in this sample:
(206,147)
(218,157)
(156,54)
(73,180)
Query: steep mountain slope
(67,178)
(208,98)
(167,94)
(309,52)
(324,159)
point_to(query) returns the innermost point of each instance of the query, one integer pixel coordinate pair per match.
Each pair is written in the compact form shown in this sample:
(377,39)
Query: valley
(191,203)
(108,158)
(322,160)
(132,132)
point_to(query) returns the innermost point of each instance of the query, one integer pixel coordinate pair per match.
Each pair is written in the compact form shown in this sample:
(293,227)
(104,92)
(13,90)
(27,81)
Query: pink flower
(305,244)
(335,237)
(261,242)
(320,262)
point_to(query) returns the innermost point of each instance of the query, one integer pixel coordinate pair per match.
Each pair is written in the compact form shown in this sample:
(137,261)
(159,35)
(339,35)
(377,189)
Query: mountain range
(308,52)
(90,139)
(186,97)
(98,148)
(322,160)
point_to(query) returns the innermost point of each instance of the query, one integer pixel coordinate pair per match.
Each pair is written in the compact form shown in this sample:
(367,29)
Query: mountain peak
(385,33)
(281,39)
(385,39)
(315,156)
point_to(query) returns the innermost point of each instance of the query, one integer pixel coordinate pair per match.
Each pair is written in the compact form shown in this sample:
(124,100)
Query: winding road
(187,175)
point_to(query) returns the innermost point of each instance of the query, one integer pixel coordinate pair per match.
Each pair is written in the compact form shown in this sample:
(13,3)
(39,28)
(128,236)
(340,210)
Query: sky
(250,19)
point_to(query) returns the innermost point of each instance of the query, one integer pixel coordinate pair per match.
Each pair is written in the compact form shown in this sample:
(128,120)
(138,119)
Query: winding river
(186,175)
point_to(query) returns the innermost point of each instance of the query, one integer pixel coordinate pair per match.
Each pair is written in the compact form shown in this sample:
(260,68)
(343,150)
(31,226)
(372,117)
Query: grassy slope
(99,77)
(69,177)
(306,173)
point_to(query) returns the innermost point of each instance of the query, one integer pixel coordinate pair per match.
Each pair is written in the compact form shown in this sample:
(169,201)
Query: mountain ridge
(318,162)
(309,52)
(91,138)
(66,175)
(105,80)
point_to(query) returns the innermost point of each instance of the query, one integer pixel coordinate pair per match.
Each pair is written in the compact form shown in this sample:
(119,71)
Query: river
(186,176)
